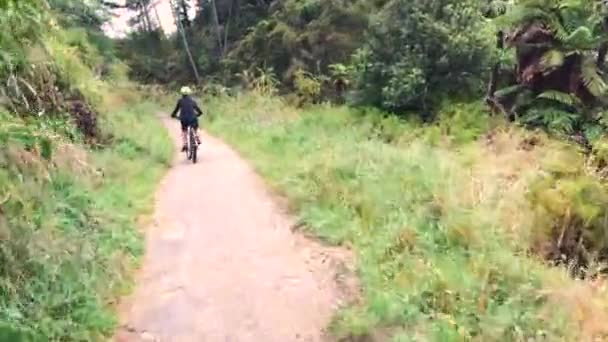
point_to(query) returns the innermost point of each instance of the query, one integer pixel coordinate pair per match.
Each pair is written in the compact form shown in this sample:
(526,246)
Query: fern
(560,97)
(509,90)
(560,122)
(573,22)
(581,38)
(555,120)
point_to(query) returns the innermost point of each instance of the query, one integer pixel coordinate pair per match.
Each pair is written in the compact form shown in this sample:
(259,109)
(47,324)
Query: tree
(418,52)
(86,14)
(181,31)
(493,9)
(142,18)
(300,35)
(183,7)
(560,46)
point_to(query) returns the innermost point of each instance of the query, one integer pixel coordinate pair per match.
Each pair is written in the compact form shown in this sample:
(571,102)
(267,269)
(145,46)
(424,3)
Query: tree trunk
(146,15)
(160,25)
(144,24)
(218,32)
(493,83)
(185,16)
(237,9)
(180,29)
(601,56)
(227,28)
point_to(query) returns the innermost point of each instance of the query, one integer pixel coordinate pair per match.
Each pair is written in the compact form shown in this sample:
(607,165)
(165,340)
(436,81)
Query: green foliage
(307,87)
(149,58)
(68,234)
(561,98)
(340,70)
(67,218)
(570,214)
(557,44)
(416,53)
(13,132)
(90,15)
(262,81)
(23,23)
(464,123)
(556,120)
(308,35)
(287,36)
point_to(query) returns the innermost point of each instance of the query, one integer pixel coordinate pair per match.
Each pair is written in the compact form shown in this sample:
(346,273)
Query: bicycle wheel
(188,145)
(193,146)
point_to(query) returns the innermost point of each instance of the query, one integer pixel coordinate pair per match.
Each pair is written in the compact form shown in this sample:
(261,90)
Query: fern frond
(509,90)
(561,97)
(581,38)
(519,15)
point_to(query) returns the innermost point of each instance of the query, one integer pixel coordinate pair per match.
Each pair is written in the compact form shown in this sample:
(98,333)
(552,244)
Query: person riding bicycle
(188,115)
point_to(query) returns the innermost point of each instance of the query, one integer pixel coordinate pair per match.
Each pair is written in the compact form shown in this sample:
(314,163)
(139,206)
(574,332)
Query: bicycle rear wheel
(193,146)
(188,145)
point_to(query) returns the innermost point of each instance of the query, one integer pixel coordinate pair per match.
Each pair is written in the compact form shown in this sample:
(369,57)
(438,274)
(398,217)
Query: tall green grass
(68,224)
(68,210)
(437,215)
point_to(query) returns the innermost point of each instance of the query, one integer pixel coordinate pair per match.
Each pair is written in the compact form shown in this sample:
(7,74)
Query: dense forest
(458,147)
(540,61)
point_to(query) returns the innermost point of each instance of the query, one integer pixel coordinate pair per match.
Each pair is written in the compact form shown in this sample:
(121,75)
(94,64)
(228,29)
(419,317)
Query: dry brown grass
(502,174)
(585,301)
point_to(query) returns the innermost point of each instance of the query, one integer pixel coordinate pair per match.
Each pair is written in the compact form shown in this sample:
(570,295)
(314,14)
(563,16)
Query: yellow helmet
(185,91)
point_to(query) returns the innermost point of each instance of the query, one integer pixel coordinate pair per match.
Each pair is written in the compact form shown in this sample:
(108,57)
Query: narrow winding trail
(223,264)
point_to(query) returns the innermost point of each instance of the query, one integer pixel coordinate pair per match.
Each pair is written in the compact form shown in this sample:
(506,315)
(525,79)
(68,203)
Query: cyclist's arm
(174,114)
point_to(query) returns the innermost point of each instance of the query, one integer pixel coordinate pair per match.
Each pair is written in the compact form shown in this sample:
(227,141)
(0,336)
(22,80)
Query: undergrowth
(79,163)
(68,222)
(444,228)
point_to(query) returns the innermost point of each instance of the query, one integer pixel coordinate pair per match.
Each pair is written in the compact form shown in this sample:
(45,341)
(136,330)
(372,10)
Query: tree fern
(497,7)
(572,22)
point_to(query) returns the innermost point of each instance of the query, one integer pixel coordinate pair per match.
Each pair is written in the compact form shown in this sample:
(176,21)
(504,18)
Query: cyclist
(188,115)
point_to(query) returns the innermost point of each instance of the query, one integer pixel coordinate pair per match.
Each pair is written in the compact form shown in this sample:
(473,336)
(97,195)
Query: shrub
(417,52)
(571,216)
(308,87)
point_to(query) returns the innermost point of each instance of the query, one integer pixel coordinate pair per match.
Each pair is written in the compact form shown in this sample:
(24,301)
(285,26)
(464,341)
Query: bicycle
(191,145)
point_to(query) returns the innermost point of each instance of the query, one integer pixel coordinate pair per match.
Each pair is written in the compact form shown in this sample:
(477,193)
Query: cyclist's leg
(196,131)
(184,126)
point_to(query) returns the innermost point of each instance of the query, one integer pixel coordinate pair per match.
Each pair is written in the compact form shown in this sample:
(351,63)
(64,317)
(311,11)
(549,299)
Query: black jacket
(188,109)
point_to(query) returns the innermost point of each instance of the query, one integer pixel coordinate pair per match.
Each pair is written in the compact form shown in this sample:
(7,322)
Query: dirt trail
(222,263)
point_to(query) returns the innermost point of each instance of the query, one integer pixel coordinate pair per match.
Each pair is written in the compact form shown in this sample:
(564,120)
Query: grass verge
(68,222)
(440,217)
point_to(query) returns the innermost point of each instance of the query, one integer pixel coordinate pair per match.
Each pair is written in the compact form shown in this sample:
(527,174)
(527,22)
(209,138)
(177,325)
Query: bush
(68,218)
(464,122)
(308,87)
(571,216)
(418,52)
